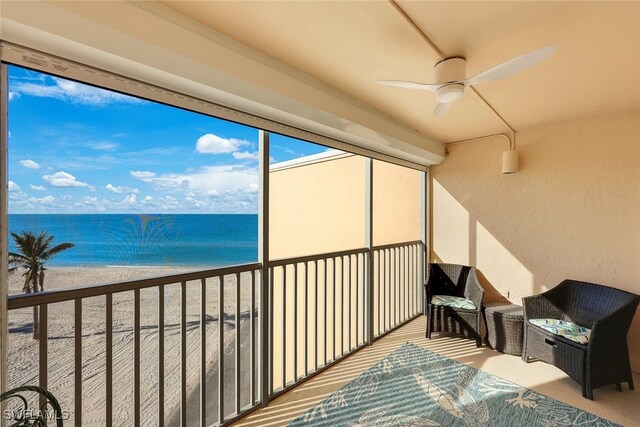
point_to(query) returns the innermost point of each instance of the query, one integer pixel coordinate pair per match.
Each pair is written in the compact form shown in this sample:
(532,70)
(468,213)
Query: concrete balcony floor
(623,408)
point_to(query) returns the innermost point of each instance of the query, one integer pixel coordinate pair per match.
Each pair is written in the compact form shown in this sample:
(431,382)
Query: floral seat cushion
(565,329)
(453,302)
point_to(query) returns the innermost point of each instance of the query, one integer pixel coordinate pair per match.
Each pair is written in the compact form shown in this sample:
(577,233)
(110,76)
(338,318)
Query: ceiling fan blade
(441,109)
(512,66)
(408,85)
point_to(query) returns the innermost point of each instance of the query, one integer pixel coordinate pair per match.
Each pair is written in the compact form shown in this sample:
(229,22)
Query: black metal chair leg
(630,382)
(590,394)
(619,387)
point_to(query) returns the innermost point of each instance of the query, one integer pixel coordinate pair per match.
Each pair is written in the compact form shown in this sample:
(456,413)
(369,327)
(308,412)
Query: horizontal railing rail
(315,257)
(48,297)
(396,245)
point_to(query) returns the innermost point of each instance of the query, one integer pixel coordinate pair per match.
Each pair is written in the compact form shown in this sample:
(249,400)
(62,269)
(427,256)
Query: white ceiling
(348,45)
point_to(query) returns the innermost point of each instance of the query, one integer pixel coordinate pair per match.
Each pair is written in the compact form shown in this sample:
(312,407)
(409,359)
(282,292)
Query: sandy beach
(23,349)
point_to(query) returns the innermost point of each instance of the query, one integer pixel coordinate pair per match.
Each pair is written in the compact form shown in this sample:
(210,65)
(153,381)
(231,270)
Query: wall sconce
(510,158)
(509,162)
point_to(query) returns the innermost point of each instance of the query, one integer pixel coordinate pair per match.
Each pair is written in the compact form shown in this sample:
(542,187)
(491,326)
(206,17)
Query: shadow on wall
(460,238)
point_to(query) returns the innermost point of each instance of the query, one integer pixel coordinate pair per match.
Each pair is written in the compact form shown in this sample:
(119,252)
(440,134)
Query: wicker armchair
(608,312)
(458,281)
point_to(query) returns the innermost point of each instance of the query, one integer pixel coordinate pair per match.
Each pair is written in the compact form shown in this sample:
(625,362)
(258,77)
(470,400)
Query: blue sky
(74,148)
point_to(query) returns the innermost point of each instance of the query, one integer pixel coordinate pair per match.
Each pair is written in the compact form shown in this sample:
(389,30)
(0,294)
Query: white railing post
(368,237)
(263,258)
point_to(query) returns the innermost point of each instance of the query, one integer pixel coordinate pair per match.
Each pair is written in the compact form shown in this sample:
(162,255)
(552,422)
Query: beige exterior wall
(320,207)
(572,211)
(317,207)
(397,199)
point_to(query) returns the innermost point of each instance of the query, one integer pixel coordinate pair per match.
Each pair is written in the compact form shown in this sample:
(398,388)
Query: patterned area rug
(413,387)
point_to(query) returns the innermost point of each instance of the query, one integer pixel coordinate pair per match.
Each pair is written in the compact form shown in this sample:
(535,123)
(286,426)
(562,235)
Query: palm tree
(33,252)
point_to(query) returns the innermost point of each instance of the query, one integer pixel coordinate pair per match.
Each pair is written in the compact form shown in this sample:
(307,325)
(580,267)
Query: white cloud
(69,91)
(142,175)
(147,199)
(90,201)
(246,155)
(64,179)
(130,200)
(120,189)
(214,144)
(12,186)
(104,146)
(37,187)
(30,164)
(208,181)
(225,179)
(166,181)
(12,95)
(46,200)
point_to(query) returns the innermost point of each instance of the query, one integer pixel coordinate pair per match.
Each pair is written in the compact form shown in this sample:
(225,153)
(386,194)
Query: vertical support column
(160,356)
(368,241)
(203,351)
(43,351)
(4,270)
(425,234)
(263,258)
(183,352)
(77,361)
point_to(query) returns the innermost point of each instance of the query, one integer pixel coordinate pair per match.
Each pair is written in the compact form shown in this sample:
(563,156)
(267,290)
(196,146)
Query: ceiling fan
(451,73)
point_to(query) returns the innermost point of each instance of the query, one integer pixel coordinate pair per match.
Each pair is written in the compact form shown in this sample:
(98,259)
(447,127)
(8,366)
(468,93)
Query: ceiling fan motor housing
(450,73)
(450,70)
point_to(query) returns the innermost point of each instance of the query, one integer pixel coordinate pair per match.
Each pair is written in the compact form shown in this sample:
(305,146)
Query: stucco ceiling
(348,45)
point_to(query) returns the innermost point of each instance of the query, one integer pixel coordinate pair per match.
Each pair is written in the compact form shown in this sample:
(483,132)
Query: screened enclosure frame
(415,251)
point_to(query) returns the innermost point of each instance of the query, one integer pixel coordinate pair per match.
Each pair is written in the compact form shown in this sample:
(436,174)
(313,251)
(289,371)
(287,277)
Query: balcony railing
(210,284)
(397,285)
(321,309)
(316,314)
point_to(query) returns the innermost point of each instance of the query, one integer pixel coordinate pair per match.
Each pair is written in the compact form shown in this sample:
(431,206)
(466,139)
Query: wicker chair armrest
(616,325)
(427,291)
(475,290)
(540,307)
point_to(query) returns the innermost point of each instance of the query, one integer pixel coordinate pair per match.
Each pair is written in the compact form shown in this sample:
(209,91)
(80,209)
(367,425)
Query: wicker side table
(504,326)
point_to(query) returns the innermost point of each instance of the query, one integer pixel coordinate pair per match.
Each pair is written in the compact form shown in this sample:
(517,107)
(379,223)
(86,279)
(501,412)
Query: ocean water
(146,239)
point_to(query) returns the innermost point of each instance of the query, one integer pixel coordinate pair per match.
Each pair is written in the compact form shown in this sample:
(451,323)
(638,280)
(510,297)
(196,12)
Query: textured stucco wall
(317,208)
(397,202)
(572,211)
(320,207)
